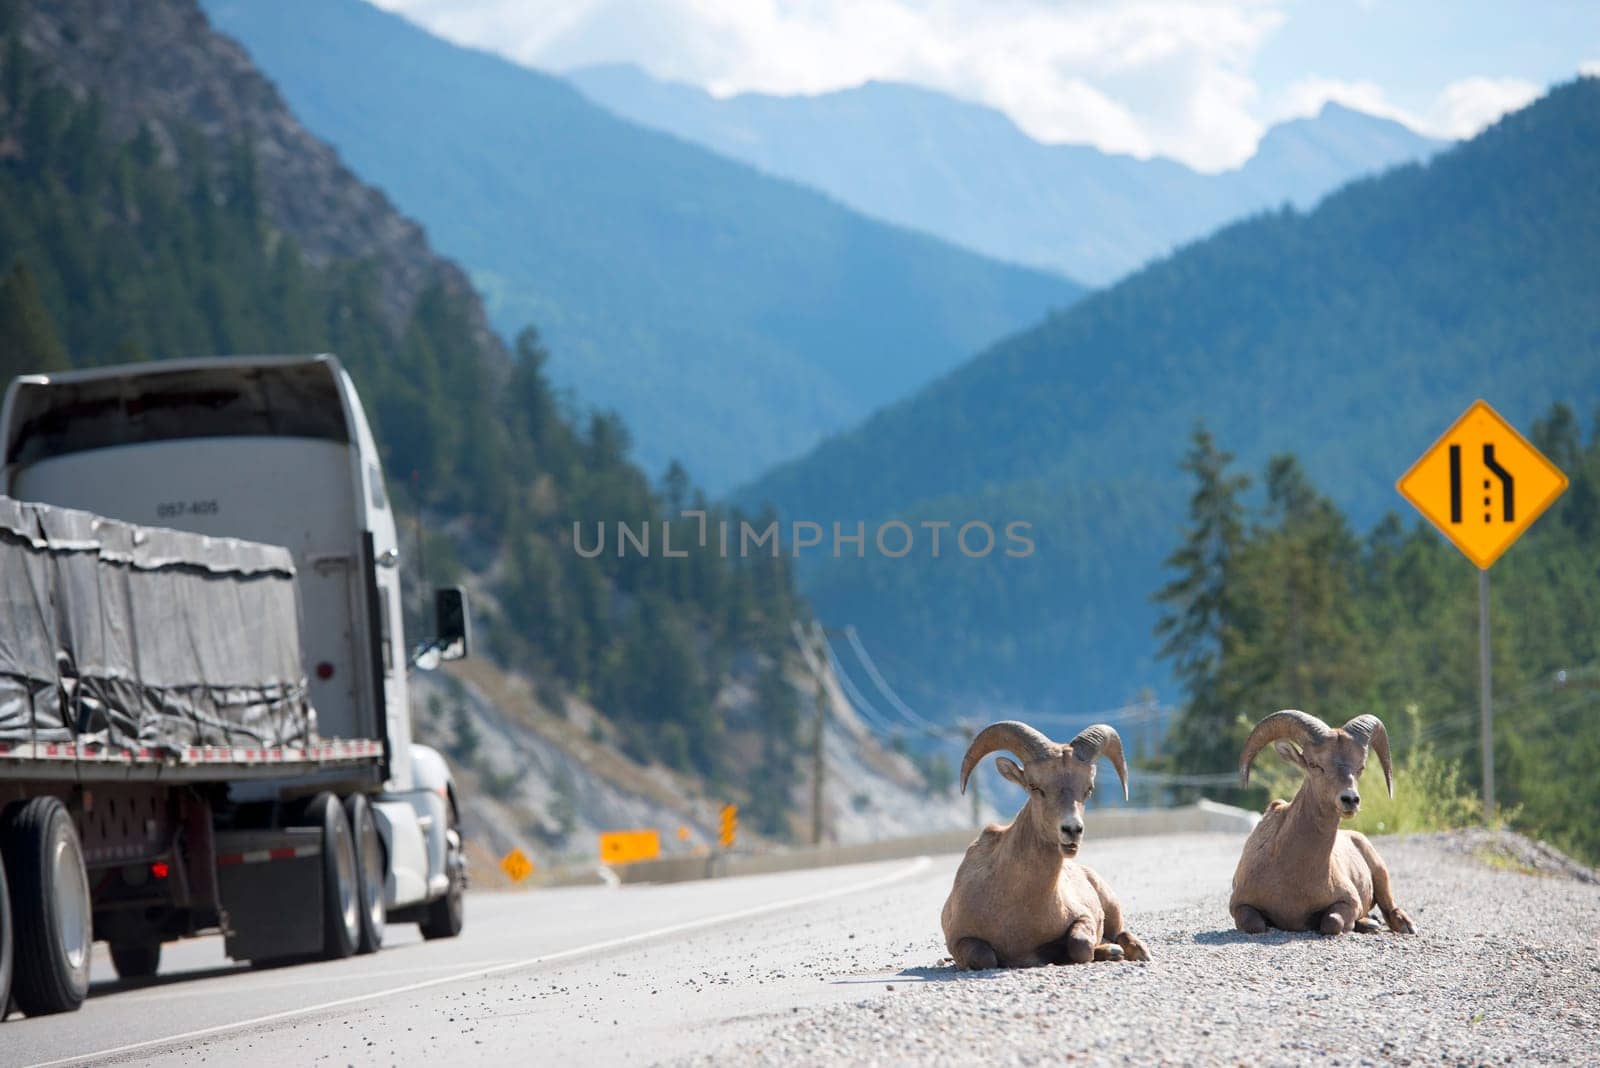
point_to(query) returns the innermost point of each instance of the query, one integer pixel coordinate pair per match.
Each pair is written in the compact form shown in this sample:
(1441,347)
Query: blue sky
(1198,80)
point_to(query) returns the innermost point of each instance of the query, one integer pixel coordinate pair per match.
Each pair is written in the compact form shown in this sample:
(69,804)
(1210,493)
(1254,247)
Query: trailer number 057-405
(174,509)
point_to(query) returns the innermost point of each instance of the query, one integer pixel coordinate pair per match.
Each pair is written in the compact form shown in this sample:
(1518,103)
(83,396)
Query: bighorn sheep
(1299,871)
(1019,900)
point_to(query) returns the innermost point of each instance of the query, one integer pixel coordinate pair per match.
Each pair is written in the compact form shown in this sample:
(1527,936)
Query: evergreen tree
(1198,627)
(28,342)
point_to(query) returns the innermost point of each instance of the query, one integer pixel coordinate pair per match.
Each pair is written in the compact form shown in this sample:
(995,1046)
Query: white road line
(190,989)
(916,867)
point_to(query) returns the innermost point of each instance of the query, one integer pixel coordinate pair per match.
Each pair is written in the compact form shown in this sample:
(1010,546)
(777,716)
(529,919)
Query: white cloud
(1465,107)
(1144,77)
(1590,68)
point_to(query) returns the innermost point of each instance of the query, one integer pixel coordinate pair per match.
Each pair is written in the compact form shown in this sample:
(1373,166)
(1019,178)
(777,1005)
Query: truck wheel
(372,872)
(52,913)
(136,960)
(5,945)
(445,916)
(341,908)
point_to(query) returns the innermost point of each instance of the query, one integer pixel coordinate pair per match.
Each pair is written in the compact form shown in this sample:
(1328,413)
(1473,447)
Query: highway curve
(846,965)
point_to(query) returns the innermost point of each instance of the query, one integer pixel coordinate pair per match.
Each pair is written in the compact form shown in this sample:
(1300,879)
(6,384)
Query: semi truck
(204,719)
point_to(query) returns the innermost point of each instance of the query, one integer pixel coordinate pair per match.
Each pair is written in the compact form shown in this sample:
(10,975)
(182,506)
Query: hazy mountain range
(966,173)
(732,318)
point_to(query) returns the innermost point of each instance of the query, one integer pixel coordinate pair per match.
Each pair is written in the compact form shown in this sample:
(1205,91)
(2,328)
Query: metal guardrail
(1204,816)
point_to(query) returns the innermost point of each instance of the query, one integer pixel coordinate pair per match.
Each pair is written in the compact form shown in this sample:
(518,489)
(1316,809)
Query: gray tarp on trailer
(128,635)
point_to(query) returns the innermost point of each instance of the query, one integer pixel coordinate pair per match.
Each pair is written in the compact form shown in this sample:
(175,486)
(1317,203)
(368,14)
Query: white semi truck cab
(204,717)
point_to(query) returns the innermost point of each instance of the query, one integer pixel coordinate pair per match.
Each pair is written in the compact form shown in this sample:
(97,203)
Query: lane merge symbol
(1482,484)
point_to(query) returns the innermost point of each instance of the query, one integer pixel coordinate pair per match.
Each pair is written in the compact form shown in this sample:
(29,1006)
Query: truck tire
(6,945)
(136,960)
(52,912)
(446,915)
(372,872)
(341,893)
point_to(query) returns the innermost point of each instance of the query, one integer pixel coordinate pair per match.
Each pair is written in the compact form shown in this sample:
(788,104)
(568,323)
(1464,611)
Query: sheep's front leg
(1382,891)
(1118,943)
(1077,946)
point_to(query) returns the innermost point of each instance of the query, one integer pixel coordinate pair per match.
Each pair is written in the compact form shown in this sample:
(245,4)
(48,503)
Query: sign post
(1482,484)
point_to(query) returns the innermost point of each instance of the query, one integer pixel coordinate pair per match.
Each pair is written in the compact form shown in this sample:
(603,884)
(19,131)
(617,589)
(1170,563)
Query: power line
(883,686)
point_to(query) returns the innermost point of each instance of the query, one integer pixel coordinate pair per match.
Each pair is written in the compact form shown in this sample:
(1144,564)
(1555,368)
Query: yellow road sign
(516,865)
(729,829)
(1482,484)
(625,847)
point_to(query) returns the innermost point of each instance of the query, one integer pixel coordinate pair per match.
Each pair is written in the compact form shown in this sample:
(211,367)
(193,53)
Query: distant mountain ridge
(731,318)
(966,173)
(1350,336)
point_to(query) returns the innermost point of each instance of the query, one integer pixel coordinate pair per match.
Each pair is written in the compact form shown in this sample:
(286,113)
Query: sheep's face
(1333,767)
(1057,788)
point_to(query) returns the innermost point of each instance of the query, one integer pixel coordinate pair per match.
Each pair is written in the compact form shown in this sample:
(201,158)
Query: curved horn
(1010,736)
(1102,739)
(1370,731)
(1290,723)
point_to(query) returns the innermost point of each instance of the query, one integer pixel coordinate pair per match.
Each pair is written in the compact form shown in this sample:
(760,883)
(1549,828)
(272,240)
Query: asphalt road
(619,975)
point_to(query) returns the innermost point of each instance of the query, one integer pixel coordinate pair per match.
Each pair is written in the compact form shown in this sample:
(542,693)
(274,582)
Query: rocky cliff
(159,64)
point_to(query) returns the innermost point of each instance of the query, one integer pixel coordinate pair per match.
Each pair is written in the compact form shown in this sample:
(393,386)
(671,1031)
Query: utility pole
(819,707)
(818,768)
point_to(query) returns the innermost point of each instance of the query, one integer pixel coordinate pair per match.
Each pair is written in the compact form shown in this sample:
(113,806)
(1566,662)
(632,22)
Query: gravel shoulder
(1505,969)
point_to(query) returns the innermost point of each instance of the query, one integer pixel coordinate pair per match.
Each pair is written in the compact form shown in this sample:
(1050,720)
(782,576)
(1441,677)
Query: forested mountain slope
(1350,336)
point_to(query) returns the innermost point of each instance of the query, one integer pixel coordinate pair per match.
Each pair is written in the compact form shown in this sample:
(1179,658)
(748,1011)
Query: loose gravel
(1505,970)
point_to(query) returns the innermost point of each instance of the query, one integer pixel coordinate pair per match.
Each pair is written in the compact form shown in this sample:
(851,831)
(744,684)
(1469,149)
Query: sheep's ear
(1010,770)
(1290,753)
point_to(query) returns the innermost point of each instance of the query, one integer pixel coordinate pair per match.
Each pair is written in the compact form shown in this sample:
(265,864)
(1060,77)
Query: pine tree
(1198,627)
(28,342)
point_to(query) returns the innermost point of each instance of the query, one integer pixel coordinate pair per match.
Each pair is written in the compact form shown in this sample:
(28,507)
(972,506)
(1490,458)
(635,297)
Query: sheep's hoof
(1132,948)
(1399,922)
(1332,924)
(1107,951)
(1368,925)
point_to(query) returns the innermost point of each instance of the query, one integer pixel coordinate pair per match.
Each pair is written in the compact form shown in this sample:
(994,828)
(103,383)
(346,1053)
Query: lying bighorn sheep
(1018,901)
(1299,871)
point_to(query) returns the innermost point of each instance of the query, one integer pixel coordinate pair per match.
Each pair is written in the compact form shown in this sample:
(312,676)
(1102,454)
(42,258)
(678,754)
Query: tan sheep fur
(1299,871)
(1019,900)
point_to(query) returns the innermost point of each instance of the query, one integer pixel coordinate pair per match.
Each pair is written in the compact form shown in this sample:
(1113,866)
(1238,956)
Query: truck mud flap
(271,883)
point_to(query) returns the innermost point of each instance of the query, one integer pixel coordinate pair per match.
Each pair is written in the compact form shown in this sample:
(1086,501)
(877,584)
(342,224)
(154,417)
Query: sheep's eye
(1313,766)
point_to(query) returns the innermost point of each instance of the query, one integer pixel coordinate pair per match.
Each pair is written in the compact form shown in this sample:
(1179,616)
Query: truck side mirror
(452,629)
